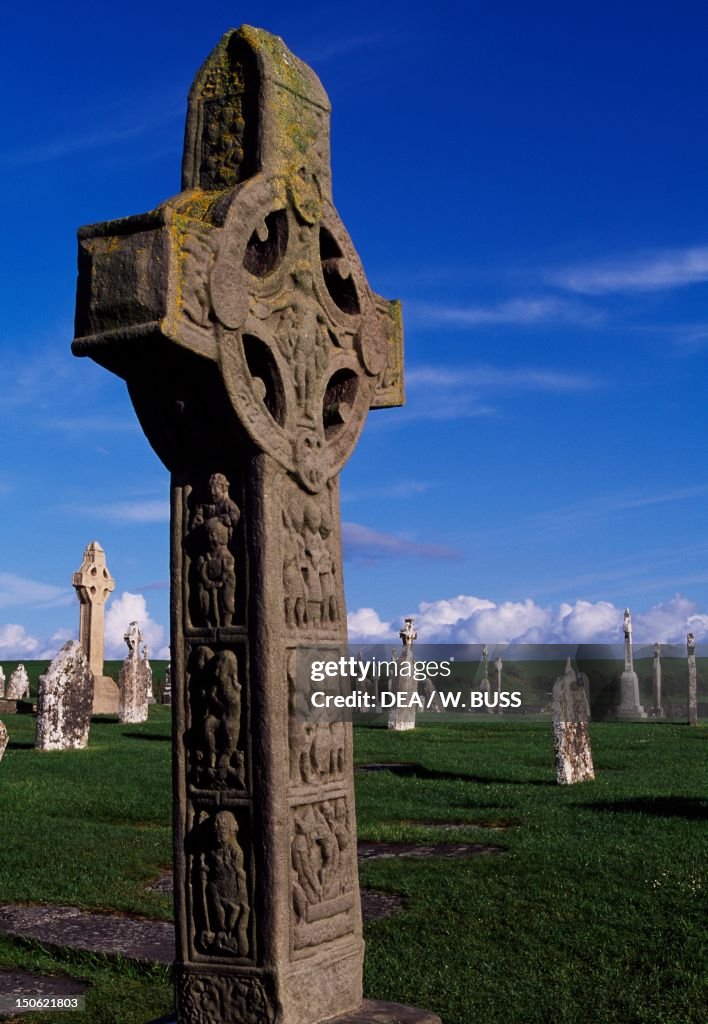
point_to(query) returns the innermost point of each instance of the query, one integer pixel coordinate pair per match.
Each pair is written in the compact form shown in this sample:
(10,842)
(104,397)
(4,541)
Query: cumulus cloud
(127,608)
(15,642)
(55,643)
(474,620)
(365,625)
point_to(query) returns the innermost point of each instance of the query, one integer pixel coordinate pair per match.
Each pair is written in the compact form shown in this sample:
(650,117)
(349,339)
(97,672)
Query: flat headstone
(570,729)
(65,701)
(111,934)
(133,687)
(18,684)
(20,984)
(375,850)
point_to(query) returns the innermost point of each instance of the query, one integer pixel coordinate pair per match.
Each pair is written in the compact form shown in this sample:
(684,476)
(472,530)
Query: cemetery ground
(594,912)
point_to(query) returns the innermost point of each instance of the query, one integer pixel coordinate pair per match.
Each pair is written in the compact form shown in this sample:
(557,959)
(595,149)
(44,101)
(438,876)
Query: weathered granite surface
(571,739)
(4,739)
(18,686)
(65,701)
(692,700)
(629,707)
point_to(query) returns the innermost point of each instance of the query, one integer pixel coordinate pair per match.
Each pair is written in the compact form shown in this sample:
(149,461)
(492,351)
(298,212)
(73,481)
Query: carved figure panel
(310,584)
(211,544)
(216,754)
(317,749)
(221,892)
(323,862)
(206,998)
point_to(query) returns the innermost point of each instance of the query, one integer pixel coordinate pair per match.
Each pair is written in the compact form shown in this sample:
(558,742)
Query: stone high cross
(94,585)
(240,317)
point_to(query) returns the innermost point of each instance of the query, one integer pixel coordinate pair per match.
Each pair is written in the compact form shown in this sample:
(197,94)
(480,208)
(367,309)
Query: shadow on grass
(152,736)
(17,745)
(419,771)
(691,808)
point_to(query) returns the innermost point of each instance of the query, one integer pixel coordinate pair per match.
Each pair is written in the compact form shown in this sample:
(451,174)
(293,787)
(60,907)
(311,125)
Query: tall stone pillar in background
(629,706)
(656,710)
(485,670)
(692,680)
(402,719)
(94,584)
(253,347)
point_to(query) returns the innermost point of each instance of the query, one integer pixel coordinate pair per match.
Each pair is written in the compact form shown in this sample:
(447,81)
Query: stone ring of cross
(299,342)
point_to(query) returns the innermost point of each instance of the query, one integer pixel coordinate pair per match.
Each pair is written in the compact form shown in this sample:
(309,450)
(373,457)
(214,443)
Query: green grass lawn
(597,912)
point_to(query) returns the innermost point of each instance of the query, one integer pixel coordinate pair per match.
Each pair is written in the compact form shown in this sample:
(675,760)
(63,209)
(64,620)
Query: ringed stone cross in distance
(240,317)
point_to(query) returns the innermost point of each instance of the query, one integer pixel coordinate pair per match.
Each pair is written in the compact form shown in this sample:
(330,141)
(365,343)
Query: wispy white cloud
(336,48)
(546,309)
(363,542)
(642,272)
(520,378)
(17,591)
(154,510)
(396,489)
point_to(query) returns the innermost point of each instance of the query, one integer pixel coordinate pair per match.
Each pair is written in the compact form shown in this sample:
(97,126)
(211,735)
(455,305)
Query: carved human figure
(212,528)
(329,850)
(216,716)
(302,848)
(294,563)
(315,553)
(226,905)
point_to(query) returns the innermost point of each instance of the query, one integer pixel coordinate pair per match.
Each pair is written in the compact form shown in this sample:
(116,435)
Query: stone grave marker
(167,689)
(485,687)
(656,710)
(2,683)
(18,687)
(65,701)
(692,680)
(629,706)
(253,347)
(94,584)
(133,680)
(4,739)
(571,739)
(402,719)
(148,674)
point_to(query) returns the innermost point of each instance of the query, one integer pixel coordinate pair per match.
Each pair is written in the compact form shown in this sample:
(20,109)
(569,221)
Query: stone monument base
(17,707)
(629,707)
(371,1011)
(105,696)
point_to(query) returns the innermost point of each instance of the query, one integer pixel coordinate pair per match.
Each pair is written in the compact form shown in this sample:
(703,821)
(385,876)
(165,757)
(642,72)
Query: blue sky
(529,179)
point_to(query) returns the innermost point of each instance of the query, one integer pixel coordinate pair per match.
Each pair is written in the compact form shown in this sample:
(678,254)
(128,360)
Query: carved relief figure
(320,848)
(224,890)
(317,749)
(309,565)
(216,719)
(213,575)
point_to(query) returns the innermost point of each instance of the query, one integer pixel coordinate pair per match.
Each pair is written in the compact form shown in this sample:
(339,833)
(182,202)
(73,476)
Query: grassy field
(596,912)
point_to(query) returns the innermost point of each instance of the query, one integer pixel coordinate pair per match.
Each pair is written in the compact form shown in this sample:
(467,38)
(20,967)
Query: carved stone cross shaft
(253,348)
